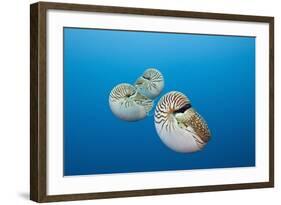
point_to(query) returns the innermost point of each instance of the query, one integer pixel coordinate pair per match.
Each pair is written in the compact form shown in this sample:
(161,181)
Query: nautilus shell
(128,104)
(151,83)
(178,125)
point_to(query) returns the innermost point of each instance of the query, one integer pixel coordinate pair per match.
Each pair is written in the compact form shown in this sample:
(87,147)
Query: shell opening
(183,109)
(145,77)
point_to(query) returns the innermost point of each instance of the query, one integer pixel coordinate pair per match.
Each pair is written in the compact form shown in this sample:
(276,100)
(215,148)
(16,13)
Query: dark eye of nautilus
(183,109)
(145,77)
(130,94)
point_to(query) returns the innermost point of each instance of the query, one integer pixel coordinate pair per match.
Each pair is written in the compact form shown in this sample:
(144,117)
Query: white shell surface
(178,125)
(151,83)
(179,141)
(127,104)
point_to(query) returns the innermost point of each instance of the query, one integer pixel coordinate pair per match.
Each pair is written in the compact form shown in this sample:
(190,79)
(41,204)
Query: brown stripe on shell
(165,108)
(152,76)
(122,91)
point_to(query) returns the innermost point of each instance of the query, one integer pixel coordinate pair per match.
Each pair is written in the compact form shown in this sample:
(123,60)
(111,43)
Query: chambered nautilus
(128,104)
(178,125)
(151,83)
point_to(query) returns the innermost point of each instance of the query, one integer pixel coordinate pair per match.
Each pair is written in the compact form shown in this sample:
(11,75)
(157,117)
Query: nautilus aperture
(178,125)
(128,104)
(151,83)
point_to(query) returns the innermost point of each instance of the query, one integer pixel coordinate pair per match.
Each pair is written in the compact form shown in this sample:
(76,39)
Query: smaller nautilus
(178,125)
(128,104)
(151,83)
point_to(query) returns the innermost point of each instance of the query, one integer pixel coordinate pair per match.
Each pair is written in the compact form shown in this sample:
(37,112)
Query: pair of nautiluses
(177,123)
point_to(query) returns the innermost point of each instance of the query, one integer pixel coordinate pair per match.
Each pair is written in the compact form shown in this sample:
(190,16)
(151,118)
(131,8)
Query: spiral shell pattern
(128,104)
(178,125)
(151,83)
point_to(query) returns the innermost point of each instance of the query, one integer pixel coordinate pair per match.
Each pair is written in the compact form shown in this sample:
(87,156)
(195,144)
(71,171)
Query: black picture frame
(38,101)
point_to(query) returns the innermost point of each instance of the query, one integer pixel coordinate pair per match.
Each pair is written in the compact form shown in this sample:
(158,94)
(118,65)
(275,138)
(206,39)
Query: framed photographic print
(134,102)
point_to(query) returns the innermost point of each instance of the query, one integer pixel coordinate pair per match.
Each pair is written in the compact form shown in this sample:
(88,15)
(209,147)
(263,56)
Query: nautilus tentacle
(178,125)
(127,104)
(151,83)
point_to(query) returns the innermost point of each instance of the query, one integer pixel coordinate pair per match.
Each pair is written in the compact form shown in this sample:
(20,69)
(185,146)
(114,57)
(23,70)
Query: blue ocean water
(216,72)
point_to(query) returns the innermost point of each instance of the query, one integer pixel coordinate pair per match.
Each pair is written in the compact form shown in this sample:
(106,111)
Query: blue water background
(216,72)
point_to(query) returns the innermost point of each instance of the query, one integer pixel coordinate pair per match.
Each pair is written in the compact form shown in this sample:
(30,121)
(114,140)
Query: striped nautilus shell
(178,125)
(128,104)
(151,83)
